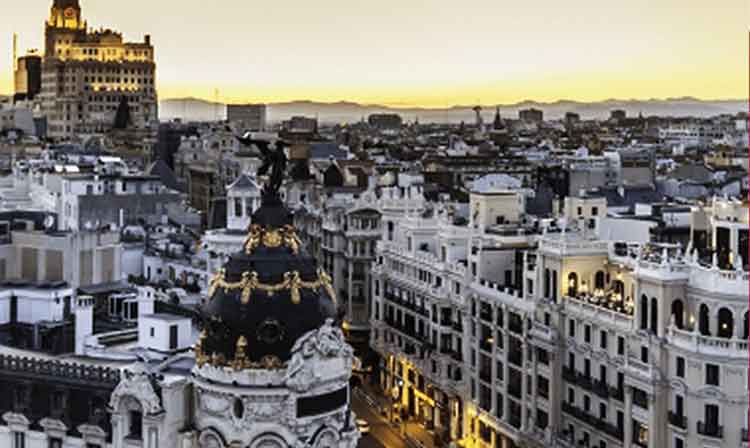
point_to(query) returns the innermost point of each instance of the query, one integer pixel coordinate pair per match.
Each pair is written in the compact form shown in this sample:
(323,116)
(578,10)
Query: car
(363,426)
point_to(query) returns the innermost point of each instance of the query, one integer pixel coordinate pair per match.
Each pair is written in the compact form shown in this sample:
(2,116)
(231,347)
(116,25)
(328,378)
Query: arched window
(572,284)
(643,307)
(599,280)
(678,313)
(654,315)
(546,283)
(703,320)
(726,323)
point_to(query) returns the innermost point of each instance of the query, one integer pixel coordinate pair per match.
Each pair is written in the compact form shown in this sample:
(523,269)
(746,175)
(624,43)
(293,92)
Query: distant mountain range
(192,109)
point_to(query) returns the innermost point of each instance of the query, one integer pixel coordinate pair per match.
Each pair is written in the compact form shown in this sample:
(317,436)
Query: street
(382,435)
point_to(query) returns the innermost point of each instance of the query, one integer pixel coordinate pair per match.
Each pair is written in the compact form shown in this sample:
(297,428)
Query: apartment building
(510,337)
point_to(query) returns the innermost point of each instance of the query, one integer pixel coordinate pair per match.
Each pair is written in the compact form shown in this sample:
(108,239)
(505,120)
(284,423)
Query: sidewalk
(416,434)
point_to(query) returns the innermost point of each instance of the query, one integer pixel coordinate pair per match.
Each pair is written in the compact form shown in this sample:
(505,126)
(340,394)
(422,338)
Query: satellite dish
(49,221)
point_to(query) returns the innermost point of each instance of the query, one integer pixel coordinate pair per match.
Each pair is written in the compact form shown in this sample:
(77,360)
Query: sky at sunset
(428,53)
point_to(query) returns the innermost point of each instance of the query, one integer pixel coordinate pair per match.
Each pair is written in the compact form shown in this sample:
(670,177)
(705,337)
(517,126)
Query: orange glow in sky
(427,52)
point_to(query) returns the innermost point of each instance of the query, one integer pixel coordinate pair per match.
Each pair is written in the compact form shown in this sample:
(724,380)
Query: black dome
(265,297)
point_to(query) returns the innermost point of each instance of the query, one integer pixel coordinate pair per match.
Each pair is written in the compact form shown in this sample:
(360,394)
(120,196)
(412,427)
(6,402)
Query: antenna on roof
(216,104)
(15,53)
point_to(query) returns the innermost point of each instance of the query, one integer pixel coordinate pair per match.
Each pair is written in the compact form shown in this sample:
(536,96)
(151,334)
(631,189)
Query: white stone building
(587,342)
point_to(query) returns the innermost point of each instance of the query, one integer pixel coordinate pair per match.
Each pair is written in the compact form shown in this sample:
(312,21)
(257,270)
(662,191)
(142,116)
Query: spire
(498,123)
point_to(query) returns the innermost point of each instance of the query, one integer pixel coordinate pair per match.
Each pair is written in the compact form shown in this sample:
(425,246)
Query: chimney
(84,322)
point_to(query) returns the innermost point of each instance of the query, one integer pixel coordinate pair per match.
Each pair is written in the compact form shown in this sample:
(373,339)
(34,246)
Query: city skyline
(458,54)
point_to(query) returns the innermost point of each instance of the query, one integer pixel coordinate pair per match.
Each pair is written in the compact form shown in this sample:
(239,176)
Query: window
(620,345)
(678,443)
(173,337)
(55,443)
(152,332)
(587,368)
(587,334)
(679,405)
(594,211)
(136,420)
(542,419)
(542,386)
(712,374)
(603,339)
(19,440)
(602,411)
(572,328)
(680,367)
(237,207)
(644,354)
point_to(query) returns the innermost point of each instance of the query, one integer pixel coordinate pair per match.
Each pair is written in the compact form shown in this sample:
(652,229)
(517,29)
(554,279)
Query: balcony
(486,345)
(600,424)
(601,388)
(618,393)
(515,357)
(677,420)
(712,430)
(514,390)
(485,376)
(446,323)
(569,374)
(695,341)
(486,315)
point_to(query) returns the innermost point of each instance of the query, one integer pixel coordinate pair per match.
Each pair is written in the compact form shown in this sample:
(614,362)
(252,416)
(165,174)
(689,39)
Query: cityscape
(368,234)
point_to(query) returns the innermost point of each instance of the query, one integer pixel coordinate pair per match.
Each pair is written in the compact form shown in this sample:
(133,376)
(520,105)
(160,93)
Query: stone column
(713,322)
(739,323)
(41,265)
(117,435)
(350,272)
(628,423)
(654,428)
(96,265)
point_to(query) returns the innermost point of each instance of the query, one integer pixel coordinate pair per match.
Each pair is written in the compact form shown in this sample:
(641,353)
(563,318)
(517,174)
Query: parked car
(363,426)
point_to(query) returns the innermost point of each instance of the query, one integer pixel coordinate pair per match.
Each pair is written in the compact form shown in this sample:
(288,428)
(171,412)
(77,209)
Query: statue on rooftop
(274,159)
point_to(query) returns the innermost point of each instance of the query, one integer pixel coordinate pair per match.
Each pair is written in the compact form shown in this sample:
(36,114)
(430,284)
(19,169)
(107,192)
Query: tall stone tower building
(86,74)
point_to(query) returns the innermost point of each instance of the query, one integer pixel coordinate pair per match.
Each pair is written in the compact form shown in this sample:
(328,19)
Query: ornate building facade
(87,75)
(584,342)
(270,369)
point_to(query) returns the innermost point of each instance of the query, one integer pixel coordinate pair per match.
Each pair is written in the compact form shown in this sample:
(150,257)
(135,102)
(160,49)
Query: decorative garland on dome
(240,361)
(272,238)
(292,282)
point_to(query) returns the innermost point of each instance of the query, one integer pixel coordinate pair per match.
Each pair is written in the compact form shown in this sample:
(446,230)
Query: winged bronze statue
(274,159)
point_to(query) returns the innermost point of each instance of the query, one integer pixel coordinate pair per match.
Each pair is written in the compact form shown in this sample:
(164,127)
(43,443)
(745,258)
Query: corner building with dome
(270,368)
